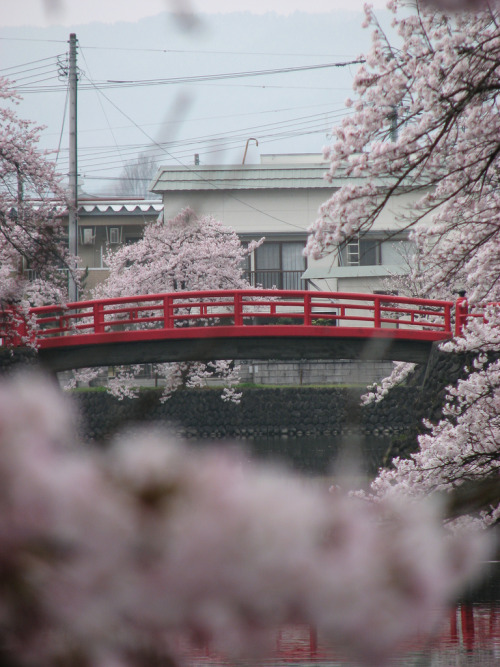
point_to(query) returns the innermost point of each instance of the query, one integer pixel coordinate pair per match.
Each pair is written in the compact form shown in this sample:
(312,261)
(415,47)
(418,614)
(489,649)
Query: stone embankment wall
(281,412)
(263,412)
(13,360)
(291,413)
(306,428)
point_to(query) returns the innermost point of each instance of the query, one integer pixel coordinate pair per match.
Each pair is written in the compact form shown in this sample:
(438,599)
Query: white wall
(253,211)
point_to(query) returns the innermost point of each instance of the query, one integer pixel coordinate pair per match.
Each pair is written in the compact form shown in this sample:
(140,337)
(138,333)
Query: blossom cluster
(112,557)
(464,445)
(425,122)
(185,253)
(30,196)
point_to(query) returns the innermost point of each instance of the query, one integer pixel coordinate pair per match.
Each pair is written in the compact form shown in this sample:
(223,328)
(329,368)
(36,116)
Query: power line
(292,127)
(201,118)
(253,128)
(30,39)
(216,52)
(31,69)
(198,173)
(31,62)
(109,163)
(62,124)
(194,52)
(104,112)
(226,75)
(39,78)
(197,79)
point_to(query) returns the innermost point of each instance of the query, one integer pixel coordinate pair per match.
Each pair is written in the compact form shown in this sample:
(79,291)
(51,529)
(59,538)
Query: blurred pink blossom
(108,555)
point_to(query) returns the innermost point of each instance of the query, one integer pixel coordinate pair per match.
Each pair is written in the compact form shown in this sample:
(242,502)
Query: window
(280,264)
(361,252)
(114,235)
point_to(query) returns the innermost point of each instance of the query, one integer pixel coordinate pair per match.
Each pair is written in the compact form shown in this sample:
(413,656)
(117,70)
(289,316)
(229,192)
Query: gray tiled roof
(240,177)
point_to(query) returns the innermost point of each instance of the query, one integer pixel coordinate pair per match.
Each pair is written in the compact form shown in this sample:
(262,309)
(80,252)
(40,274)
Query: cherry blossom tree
(31,203)
(462,450)
(182,254)
(426,123)
(121,556)
(438,88)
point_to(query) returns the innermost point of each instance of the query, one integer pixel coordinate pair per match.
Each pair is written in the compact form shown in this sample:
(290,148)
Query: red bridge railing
(245,312)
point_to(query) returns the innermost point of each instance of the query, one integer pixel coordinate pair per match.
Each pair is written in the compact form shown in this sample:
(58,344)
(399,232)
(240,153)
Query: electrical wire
(196,79)
(35,70)
(110,83)
(204,118)
(296,121)
(117,146)
(62,124)
(200,175)
(294,127)
(30,39)
(20,87)
(31,62)
(215,52)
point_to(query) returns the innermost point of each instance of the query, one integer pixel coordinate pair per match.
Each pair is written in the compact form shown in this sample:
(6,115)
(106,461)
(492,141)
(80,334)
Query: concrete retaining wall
(314,372)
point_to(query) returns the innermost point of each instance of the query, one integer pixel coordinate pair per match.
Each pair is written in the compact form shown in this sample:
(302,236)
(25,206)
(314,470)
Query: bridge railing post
(98,318)
(376,313)
(307,309)
(238,309)
(447,318)
(168,312)
(461,312)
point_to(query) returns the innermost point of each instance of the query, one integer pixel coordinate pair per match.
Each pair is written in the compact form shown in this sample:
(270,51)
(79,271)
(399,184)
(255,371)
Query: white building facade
(279,199)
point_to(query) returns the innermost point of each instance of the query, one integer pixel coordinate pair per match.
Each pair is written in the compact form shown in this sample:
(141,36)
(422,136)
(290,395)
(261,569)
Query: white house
(279,199)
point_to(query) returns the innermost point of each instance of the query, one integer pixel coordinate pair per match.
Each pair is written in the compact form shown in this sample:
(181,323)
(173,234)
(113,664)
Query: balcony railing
(269,278)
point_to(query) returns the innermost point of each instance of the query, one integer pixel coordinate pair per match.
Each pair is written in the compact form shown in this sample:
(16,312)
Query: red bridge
(234,324)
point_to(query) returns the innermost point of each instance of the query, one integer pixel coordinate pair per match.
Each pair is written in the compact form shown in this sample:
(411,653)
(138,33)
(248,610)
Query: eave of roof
(108,207)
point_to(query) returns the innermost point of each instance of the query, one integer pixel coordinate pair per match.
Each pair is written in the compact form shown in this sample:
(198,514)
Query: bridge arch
(234,324)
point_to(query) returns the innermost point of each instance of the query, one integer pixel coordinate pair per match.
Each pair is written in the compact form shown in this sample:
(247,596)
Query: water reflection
(468,637)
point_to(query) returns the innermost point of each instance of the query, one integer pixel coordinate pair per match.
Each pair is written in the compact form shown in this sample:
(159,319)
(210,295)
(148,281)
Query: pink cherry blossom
(185,253)
(439,87)
(110,557)
(31,199)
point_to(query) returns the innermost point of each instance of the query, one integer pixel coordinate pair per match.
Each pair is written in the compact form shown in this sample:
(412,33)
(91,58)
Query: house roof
(241,177)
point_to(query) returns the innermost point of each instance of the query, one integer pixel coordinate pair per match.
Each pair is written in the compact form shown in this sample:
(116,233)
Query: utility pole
(73,165)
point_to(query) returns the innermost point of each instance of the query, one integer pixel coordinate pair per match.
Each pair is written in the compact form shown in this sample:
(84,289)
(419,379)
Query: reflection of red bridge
(469,629)
(235,324)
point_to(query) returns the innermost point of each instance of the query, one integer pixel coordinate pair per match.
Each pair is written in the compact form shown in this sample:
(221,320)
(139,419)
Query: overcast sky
(208,93)
(79,12)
